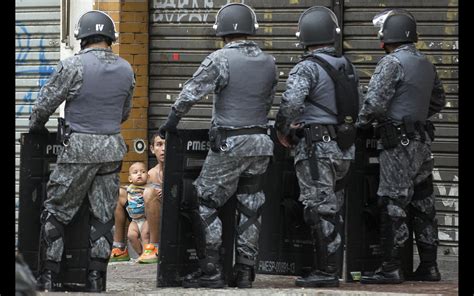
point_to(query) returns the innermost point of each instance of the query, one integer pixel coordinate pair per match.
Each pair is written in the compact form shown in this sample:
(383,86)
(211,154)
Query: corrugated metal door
(181,36)
(36,54)
(438,38)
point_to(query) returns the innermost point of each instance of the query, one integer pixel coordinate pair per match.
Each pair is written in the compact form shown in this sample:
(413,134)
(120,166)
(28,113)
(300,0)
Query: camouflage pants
(68,186)
(216,184)
(402,170)
(319,198)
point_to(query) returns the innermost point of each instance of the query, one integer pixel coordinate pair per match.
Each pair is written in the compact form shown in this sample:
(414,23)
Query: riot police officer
(243,79)
(403,93)
(309,111)
(97,86)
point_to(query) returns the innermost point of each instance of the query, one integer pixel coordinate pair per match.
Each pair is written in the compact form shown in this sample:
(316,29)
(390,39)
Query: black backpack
(345,85)
(347,100)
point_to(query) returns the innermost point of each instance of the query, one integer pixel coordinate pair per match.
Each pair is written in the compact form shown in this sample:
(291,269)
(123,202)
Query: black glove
(35,126)
(170,124)
(38,129)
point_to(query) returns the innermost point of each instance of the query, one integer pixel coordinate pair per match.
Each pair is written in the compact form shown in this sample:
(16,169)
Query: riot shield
(37,160)
(184,156)
(363,250)
(285,241)
(286,246)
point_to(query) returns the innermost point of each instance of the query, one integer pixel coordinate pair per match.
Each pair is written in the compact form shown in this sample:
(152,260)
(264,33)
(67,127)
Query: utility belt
(391,134)
(218,136)
(316,132)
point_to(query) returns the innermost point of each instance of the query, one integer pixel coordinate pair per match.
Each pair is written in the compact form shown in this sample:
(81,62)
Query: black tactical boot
(212,278)
(95,281)
(428,268)
(191,280)
(44,282)
(244,275)
(384,277)
(318,278)
(390,271)
(325,272)
(209,275)
(426,273)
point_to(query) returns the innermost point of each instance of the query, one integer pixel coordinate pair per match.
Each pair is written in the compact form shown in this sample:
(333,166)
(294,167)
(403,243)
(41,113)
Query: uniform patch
(377,70)
(204,65)
(207,62)
(294,70)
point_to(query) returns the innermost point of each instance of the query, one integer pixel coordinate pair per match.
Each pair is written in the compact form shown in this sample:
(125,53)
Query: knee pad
(52,234)
(423,189)
(101,230)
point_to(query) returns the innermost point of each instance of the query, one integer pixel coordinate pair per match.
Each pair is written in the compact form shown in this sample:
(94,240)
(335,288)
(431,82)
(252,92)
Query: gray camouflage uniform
(90,164)
(247,155)
(404,168)
(332,162)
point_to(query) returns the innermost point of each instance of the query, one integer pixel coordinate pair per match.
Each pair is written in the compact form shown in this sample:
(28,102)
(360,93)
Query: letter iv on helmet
(317,25)
(95,22)
(235,18)
(396,26)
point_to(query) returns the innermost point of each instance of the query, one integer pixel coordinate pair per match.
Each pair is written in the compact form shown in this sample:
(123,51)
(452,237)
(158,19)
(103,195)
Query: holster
(388,133)
(312,134)
(64,132)
(346,135)
(216,140)
(409,127)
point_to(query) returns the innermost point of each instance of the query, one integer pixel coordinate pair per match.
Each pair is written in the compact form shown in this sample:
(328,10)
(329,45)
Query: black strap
(211,218)
(250,184)
(331,71)
(328,67)
(57,231)
(245,261)
(244,131)
(322,107)
(102,229)
(252,217)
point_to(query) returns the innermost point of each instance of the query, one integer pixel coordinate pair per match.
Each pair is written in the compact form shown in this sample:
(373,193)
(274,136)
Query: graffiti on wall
(178,11)
(40,69)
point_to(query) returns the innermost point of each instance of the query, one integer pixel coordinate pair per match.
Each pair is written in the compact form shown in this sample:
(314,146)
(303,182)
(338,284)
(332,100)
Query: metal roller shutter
(36,54)
(181,36)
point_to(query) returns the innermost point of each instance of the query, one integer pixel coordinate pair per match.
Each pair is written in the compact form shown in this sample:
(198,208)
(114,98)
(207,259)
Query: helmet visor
(379,18)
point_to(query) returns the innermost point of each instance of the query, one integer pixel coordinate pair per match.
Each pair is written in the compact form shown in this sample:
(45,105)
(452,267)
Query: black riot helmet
(317,25)
(95,22)
(396,26)
(235,18)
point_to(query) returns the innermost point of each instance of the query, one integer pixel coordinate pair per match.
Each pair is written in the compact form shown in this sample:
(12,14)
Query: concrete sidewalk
(131,278)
